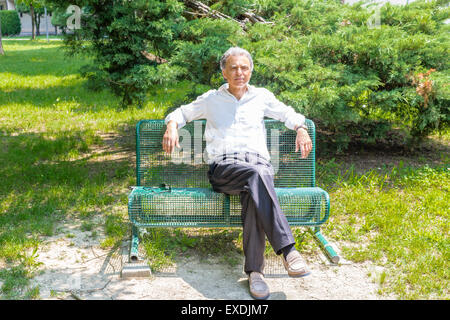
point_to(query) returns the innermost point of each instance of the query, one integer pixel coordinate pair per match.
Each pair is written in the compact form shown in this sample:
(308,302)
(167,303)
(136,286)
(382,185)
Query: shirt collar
(224,89)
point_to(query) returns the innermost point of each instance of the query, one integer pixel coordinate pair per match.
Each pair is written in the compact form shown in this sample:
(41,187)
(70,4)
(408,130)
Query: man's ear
(223,74)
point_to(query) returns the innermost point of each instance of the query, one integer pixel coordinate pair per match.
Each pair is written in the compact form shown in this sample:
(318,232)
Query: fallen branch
(254,18)
(152,57)
(203,10)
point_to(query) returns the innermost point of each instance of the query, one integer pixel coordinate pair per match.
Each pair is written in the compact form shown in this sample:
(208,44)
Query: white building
(7,5)
(25,19)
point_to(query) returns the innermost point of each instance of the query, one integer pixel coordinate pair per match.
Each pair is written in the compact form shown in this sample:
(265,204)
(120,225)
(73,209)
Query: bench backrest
(186,167)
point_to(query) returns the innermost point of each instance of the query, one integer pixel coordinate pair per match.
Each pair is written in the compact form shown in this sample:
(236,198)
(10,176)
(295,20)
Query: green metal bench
(174,191)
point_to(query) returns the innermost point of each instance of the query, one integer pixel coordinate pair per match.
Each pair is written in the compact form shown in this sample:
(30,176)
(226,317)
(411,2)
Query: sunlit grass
(397,219)
(38,79)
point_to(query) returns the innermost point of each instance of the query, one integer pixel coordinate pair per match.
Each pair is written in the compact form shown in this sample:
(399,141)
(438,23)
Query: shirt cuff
(295,121)
(176,116)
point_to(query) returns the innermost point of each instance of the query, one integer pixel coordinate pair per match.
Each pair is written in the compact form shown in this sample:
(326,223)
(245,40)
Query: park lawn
(67,153)
(396,217)
(51,127)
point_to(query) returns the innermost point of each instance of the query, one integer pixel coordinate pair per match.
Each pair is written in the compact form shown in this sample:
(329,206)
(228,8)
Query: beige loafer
(258,287)
(295,265)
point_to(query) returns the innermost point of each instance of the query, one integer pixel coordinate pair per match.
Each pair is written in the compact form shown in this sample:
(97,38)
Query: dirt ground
(76,267)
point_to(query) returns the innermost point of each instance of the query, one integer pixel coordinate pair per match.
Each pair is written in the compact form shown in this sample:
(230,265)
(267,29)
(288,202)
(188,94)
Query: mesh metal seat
(174,191)
(201,207)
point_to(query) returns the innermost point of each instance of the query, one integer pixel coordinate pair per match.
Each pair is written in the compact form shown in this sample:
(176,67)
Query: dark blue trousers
(251,177)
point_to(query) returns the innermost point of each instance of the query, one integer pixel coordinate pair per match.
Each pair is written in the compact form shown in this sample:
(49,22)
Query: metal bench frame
(173,190)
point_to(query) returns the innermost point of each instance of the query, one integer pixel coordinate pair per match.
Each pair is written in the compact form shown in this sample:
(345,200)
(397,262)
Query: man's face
(237,71)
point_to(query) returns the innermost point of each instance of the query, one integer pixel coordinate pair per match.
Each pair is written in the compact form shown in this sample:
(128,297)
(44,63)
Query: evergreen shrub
(10,22)
(357,70)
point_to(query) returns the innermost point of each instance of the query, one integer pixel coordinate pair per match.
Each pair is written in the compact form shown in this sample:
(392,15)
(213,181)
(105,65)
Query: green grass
(52,128)
(42,36)
(396,218)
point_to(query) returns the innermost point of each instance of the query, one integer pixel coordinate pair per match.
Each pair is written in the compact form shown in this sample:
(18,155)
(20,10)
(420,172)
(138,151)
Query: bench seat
(202,207)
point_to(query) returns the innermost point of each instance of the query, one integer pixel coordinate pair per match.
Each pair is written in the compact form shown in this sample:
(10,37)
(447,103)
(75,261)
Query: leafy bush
(127,40)
(330,61)
(202,43)
(59,18)
(10,22)
(326,61)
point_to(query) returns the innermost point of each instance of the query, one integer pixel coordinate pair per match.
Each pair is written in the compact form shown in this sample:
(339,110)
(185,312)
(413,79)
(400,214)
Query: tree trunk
(1,45)
(37,19)
(33,27)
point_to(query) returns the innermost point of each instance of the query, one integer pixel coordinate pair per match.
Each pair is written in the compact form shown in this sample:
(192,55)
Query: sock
(286,250)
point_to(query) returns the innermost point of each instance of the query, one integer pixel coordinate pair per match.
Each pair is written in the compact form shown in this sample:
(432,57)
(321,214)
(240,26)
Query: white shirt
(236,125)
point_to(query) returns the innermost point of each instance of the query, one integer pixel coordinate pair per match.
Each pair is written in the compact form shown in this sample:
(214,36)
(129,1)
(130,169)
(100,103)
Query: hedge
(10,22)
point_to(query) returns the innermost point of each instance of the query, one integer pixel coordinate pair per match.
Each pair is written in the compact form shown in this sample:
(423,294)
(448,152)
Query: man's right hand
(170,138)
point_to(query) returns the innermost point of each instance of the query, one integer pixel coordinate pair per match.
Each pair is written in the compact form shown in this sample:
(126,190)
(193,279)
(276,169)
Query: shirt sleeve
(278,110)
(189,112)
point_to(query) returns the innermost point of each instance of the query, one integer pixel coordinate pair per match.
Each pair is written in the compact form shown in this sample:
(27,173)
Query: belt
(245,156)
(249,157)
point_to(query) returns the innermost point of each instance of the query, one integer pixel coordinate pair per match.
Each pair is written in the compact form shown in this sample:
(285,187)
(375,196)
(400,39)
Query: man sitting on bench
(238,160)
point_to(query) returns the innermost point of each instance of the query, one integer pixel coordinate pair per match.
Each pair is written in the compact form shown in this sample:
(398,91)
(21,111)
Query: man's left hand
(303,142)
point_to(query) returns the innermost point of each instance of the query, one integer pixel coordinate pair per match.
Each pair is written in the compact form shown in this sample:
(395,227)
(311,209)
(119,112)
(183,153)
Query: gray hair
(235,51)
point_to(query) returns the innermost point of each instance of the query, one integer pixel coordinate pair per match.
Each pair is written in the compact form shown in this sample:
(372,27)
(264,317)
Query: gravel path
(76,267)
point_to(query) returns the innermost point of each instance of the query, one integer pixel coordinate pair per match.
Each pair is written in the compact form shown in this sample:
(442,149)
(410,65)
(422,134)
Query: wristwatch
(302,126)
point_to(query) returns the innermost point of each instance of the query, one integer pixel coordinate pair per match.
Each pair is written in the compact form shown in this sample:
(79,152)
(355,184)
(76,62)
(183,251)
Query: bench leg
(134,268)
(324,244)
(134,244)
